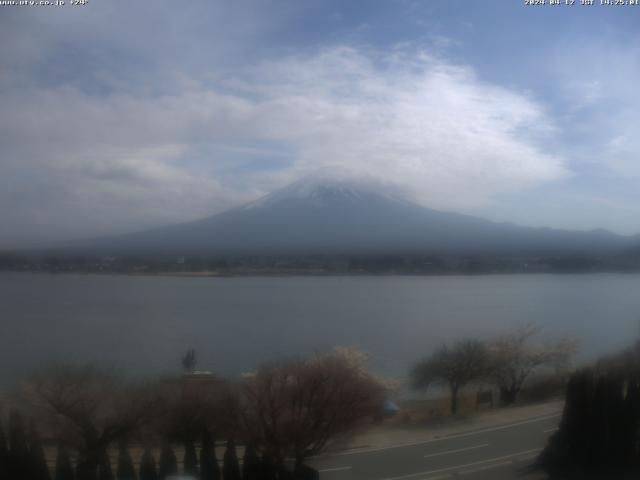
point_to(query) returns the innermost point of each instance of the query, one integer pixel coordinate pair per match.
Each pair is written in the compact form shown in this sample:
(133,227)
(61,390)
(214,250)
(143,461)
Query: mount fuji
(331,215)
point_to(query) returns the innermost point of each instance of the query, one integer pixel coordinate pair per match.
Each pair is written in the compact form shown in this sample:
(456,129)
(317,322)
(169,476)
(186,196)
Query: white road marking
(458,467)
(525,456)
(548,430)
(449,437)
(336,469)
(456,451)
(482,468)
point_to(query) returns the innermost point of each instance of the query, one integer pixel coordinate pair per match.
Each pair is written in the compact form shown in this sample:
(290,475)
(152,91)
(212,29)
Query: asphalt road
(496,453)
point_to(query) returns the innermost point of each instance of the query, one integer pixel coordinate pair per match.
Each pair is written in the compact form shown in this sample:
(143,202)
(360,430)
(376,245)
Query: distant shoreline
(291,274)
(308,264)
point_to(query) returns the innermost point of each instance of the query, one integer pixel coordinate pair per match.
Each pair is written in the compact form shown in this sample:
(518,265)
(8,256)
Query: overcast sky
(117,116)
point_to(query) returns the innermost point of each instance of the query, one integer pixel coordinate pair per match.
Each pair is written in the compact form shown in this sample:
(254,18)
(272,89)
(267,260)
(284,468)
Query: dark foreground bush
(598,436)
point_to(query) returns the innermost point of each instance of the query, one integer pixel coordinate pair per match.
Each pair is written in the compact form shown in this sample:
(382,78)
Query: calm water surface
(144,324)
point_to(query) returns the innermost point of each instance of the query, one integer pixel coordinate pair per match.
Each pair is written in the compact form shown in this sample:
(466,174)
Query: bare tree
(455,366)
(513,358)
(296,408)
(89,408)
(193,403)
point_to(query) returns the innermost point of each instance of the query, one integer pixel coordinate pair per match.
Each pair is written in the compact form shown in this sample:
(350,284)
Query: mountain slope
(320,215)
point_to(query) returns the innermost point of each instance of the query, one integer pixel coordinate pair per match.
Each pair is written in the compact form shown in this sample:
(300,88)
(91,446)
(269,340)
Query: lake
(144,324)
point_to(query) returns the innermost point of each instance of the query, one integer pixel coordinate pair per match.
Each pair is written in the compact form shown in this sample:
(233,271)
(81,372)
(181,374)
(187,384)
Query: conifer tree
(597,437)
(18,448)
(251,468)
(190,461)
(37,460)
(125,469)
(148,469)
(616,449)
(230,466)
(305,472)
(84,470)
(269,467)
(283,473)
(168,464)
(104,467)
(4,454)
(599,425)
(189,361)
(631,414)
(209,469)
(64,468)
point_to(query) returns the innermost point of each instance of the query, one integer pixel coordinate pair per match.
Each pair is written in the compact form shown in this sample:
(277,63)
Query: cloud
(79,163)
(598,86)
(410,118)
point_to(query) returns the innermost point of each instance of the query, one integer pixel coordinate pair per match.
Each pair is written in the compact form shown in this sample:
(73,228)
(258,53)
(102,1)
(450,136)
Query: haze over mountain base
(337,224)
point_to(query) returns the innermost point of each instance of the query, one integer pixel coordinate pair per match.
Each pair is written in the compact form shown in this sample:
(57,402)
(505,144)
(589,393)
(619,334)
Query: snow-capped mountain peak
(336,213)
(326,188)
